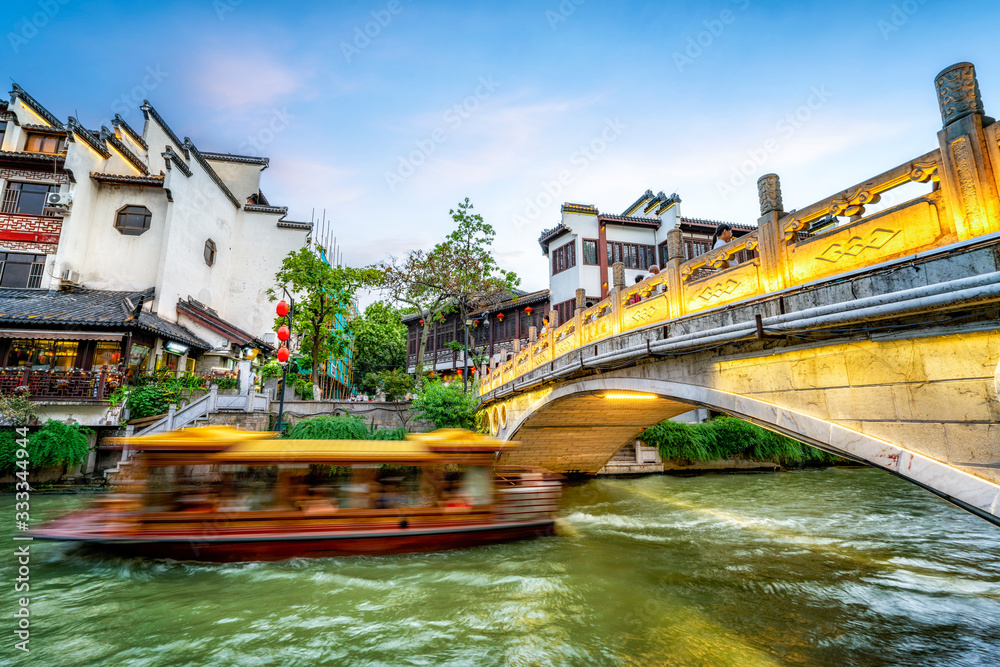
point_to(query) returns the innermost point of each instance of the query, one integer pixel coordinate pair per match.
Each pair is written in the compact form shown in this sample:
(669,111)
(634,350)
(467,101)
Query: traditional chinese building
(126,250)
(496,328)
(586,243)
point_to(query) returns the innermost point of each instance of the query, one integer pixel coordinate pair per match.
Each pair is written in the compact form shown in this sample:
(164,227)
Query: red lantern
(459,371)
(282,309)
(528,309)
(421,323)
(500,316)
(472,369)
(282,333)
(283,354)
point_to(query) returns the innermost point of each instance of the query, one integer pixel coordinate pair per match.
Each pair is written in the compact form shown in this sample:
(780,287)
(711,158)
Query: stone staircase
(633,459)
(193,414)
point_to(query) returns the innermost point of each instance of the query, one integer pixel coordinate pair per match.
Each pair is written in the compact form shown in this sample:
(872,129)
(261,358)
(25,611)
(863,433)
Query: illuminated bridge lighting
(630,397)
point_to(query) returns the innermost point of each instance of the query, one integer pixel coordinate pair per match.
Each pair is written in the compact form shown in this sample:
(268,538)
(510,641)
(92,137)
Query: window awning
(34,334)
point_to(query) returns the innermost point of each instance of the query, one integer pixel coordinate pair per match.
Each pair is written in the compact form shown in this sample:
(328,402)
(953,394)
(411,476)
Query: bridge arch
(539,420)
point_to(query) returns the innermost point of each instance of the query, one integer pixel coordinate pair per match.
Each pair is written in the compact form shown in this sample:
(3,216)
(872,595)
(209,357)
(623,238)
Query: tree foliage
(379,342)
(341,428)
(726,438)
(458,273)
(54,444)
(16,410)
(322,293)
(446,405)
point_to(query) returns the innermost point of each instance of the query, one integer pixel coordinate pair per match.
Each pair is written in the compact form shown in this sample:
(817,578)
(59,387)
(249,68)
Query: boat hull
(282,545)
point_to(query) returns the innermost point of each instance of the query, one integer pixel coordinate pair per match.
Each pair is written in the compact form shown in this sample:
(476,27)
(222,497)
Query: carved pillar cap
(675,244)
(769,192)
(958,93)
(618,273)
(581,298)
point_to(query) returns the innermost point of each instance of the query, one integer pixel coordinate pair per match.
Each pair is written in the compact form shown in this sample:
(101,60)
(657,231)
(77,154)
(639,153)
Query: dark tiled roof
(648,194)
(715,223)
(121,179)
(189,146)
(170,156)
(260,208)
(570,207)
(520,299)
(120,122)
(109,137)
(34,127)
(207,317)
(148,110)
(87,308)
(241,159)
(630,220)
(88,138)
(549,235)
(33,104)
(289,224)
(35,157)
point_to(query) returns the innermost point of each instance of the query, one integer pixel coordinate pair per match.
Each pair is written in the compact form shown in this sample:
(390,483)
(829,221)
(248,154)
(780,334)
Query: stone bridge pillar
(773,244)
(968,157)
(672,269)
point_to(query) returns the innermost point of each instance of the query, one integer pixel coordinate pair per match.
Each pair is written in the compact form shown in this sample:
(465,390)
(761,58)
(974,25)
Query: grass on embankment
(728,438)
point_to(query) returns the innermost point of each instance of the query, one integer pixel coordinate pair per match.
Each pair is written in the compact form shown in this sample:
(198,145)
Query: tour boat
(218,494)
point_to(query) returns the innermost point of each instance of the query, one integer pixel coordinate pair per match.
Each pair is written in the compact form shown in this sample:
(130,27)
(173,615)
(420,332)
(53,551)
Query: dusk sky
(494,101)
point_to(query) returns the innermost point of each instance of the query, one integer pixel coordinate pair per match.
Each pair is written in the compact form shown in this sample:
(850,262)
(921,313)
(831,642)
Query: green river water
(826,567)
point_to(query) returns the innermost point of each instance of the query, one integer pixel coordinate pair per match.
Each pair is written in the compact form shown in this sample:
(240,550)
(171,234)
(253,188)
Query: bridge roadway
(875,338)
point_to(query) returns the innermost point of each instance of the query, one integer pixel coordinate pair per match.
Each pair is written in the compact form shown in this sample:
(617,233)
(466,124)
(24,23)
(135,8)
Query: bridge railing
(833,236)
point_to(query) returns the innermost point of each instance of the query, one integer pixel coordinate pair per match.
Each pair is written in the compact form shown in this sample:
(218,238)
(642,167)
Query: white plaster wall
(260,248)
(242,179)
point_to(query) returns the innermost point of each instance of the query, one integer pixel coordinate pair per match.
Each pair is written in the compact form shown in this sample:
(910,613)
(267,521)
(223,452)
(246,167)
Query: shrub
(54,444)
(446,405)
(152,399)
(341,428)
(728,437)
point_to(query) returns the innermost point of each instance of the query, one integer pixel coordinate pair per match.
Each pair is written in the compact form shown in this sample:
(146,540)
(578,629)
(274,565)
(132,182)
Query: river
(824,567)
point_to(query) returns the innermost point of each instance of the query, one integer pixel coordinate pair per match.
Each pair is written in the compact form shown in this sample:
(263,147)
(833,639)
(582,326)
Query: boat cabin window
(315,488)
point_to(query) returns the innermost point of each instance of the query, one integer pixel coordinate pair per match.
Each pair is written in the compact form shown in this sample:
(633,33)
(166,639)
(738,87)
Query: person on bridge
(723,235)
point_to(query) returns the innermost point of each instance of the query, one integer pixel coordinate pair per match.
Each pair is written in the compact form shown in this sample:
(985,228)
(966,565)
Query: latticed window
(564,257)
(21,270)
(26,198)
(589,251)
(210,252)
(133,220)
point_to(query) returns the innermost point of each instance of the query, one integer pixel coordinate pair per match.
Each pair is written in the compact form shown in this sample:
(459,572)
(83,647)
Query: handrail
(962,177)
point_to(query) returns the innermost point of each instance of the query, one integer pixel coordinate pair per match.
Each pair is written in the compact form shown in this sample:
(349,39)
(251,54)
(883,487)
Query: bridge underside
(581,432)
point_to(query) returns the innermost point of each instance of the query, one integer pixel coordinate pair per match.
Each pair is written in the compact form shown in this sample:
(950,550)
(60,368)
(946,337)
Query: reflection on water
(828,567)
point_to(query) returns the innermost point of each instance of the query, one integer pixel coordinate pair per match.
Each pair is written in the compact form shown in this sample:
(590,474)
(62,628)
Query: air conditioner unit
(59,200)
(70,276)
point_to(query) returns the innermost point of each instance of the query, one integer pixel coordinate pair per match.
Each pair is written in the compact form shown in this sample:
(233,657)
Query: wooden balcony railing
(60,385)
(961,180)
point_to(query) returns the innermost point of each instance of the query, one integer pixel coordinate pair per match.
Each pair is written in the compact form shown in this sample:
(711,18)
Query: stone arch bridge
(871,334)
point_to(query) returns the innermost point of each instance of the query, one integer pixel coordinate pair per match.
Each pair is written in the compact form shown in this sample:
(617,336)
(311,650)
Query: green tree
(446,405)
(323,293)
(54,444)
(379,342)
(16,410)
(458,273)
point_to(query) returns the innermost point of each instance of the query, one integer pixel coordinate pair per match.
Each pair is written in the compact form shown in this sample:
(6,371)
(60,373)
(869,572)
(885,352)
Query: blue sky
(495,101)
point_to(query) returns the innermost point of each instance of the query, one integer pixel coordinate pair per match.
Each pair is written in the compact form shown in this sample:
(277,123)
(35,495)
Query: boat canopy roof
(227,445)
